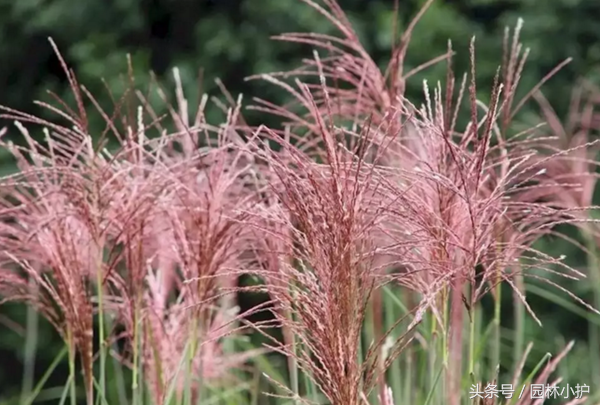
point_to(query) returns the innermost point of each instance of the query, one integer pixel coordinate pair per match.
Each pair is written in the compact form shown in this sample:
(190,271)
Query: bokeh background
(230,40)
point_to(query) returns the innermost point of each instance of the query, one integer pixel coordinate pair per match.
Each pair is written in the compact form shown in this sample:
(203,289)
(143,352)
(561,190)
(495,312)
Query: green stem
(72,385)
(408,383)
(445,343)
(190,361)
(101,339)
(594,331)
(445,351)
(390,319)
(30,346)
(135,383)
(292,363)
(472,345)
(497,330)
(519,313)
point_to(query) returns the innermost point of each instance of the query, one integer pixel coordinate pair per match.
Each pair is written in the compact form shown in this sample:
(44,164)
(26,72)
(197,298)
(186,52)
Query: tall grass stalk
(189,362)
(66,390)
(472,338)
(136,341)
(594,330)
(495,359)
(101,332)
(30,346)
(72,367)
(391,301)
(519,319)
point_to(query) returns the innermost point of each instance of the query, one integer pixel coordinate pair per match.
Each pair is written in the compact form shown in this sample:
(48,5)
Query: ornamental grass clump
(472,197)
(344,257)
(144,236)
(330,213)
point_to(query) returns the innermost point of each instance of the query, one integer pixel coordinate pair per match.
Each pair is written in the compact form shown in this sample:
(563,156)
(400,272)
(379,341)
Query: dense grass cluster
(373,230)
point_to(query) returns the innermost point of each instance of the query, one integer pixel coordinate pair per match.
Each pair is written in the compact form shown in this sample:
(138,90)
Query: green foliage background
(229,39)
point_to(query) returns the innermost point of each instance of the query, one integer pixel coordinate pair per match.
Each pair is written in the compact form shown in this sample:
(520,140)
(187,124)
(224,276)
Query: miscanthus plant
(376,230)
